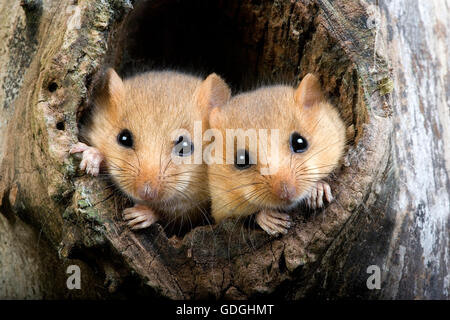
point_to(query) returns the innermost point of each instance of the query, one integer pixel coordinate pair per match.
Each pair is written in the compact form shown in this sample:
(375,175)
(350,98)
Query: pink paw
(139,216)
(92,158)
(273,222)
(320,191)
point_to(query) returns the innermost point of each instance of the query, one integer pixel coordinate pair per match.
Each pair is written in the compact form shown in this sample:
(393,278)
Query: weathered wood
(416,40)
(392,192)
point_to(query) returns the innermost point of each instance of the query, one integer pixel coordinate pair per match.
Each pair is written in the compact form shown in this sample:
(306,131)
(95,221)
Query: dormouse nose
(147,191)
(286,190)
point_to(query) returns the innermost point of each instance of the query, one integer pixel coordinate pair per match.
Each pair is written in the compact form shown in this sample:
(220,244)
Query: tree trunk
(383,64)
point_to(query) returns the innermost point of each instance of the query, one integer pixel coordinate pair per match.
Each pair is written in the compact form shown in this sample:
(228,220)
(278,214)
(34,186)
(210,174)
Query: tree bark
(383,64)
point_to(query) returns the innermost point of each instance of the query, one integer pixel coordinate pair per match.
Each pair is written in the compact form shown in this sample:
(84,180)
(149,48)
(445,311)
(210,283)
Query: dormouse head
(144,124)
(283,140)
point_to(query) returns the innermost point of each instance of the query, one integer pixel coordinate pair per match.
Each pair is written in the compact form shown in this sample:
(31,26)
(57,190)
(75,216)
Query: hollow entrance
(248,43)
(243,41)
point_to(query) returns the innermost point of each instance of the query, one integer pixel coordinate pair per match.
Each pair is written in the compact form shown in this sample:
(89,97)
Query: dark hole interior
(226,37)
(192,36)
(61,125)
(52,87)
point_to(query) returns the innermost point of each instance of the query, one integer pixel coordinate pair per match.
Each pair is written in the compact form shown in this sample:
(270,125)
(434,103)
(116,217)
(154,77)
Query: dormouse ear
(112,89)
(213,92)
(214,116)
(309,92)
(114,85)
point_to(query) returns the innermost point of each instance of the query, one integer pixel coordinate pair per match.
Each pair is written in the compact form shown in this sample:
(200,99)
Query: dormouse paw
(139,217)
(92,158)
(316,197)
(273,222)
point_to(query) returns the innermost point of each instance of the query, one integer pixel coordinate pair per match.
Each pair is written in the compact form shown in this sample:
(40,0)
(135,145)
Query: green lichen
(70,168)
(385,85)
(94,234)
(92,214)
(83,203)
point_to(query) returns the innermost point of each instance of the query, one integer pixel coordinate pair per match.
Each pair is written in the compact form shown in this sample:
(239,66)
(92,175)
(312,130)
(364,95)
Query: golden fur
(243,192)
(153,105)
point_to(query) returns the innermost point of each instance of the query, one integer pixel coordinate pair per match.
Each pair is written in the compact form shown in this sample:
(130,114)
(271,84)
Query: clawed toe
(317,195)
(92,158)
(273,223)
(139,217)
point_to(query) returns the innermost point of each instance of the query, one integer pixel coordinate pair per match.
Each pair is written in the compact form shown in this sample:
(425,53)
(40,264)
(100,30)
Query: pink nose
(286,191)
(146,192)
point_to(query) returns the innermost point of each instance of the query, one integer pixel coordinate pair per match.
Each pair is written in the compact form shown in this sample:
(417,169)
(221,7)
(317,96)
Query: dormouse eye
(242,160)
(125,138)
(183,146)
(298,143)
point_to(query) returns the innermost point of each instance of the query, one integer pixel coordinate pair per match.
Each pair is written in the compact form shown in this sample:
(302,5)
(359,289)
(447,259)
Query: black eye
(242,160)
(298,143)
(183,146)
(125,138)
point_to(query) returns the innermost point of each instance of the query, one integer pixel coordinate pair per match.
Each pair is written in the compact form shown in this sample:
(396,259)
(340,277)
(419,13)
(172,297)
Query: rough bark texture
(417,264)
(392,192)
